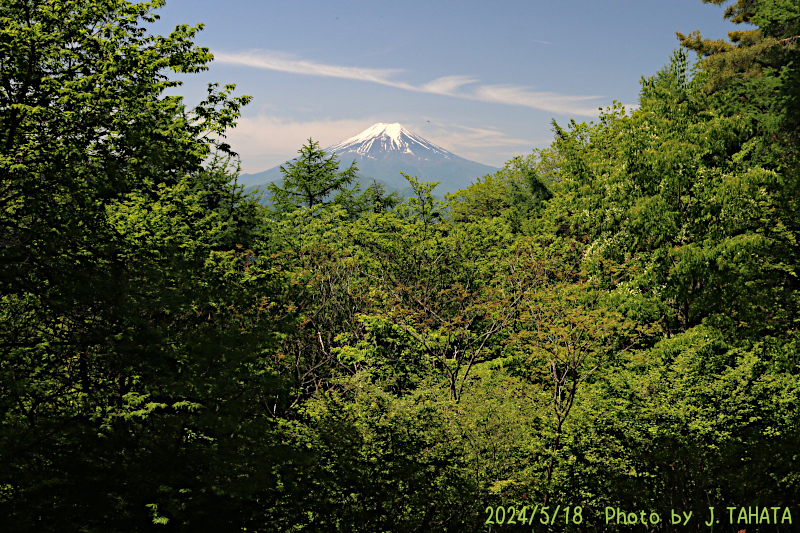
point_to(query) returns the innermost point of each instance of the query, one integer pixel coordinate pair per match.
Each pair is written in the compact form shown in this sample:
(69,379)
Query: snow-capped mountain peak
(382,139)
(384,151)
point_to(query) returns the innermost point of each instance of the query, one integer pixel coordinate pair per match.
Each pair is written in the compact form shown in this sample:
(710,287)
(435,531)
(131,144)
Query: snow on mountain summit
(381,139)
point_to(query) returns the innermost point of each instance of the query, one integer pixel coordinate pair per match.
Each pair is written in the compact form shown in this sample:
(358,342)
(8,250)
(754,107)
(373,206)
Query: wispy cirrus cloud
(554,102)
(285,63)
(453,86)
(447,85)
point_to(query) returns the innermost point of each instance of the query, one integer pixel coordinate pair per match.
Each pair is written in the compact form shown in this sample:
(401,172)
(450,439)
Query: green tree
(516,192)
(375,200)
(565,331)
(133,314)
(683,206)
(756,75)
(311,179)
(667,193)
(434,281)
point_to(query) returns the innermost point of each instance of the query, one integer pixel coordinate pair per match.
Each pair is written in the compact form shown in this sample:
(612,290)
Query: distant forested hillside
(602,333)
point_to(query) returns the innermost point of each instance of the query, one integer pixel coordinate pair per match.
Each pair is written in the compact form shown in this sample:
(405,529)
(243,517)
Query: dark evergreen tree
(311,179)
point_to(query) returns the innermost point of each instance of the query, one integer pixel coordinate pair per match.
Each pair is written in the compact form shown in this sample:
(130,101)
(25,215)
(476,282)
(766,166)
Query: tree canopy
(608,323)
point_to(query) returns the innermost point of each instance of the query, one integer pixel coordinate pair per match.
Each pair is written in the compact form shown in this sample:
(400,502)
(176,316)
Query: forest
(602,336)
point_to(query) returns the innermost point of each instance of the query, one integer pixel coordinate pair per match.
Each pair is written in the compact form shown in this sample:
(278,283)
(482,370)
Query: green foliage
(755,76)
(667,192)
(311,179)
(611,321)
(516,192)
(688,424)
(381,463)
(133,312)
(436,280)
(373,200)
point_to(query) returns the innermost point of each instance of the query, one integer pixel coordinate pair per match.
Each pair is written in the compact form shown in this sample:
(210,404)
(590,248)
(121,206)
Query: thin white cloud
(554,102)
(446,85)
(285,63)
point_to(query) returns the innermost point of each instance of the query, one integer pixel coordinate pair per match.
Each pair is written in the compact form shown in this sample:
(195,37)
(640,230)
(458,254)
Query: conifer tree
(757,74)
(311,179)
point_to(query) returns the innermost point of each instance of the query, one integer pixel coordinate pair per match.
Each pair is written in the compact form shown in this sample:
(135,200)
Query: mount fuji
(382,151)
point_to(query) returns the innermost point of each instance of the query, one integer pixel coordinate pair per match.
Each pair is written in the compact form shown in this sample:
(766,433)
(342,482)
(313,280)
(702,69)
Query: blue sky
(482,80)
